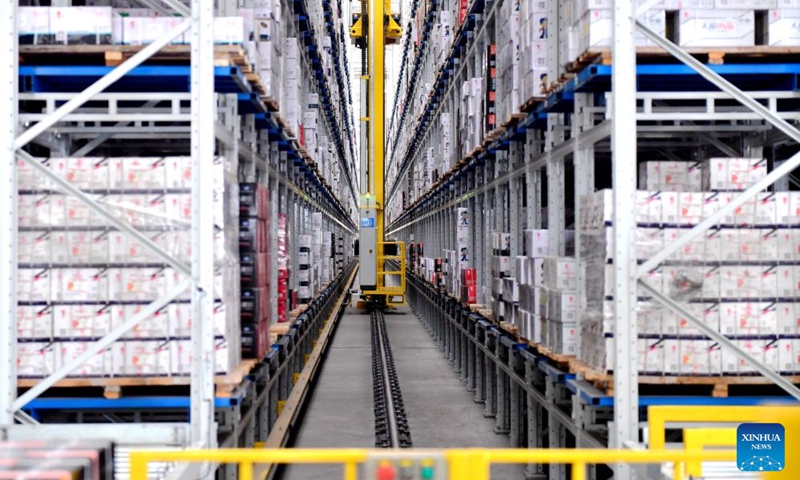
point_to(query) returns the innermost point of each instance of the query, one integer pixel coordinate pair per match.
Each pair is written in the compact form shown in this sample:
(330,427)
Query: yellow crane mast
(382,262)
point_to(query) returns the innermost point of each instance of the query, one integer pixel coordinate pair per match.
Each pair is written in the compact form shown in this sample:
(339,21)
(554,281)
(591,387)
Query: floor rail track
(391,423)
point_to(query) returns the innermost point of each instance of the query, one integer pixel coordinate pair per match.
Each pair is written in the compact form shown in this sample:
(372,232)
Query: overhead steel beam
(94,348)
(107,80)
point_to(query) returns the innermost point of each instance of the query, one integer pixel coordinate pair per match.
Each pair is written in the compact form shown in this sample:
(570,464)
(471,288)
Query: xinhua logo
(760,447)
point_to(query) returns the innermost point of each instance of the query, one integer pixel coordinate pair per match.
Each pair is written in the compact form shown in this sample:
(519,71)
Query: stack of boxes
(78,277)
(740,278)
(305,262)
(530,280)
(467,284)
(290,100)
(283,268)
(308,130)
(470,117)
(254,269)
(509,55)
(317,238)
(534,61)
(559,304)
(490,101)
(501,269)
(268,37)
(107,26)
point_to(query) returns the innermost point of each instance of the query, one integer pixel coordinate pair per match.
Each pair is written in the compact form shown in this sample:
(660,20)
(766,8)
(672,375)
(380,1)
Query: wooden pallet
(531,104)
(557,358)
(510,329)
(280,329)
(713,56)
(719,385)
(113,55)
(486,313)
(513,120)
(112,387)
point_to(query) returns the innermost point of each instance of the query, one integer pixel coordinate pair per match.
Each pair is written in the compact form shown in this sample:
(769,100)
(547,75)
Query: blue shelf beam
(142,79)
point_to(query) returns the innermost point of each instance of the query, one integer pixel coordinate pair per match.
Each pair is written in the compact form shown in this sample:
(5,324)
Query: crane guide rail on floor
(391,423)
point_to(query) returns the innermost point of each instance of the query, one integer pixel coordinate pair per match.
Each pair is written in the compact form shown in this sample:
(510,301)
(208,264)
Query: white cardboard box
(82,25)
(716,28)
(782,28)
(34,26)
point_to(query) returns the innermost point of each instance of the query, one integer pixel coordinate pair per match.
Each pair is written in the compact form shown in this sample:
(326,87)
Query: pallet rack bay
(203,102)
(530,170)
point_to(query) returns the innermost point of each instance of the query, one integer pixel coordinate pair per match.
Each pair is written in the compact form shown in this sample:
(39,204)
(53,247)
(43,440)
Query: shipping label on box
(787,318)
(788,356)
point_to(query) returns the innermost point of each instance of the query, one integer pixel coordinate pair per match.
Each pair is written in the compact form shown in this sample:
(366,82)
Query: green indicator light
(427,473)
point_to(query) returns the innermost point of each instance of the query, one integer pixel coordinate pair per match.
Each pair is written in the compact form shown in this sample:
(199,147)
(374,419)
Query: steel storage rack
(517,175)
(207,102)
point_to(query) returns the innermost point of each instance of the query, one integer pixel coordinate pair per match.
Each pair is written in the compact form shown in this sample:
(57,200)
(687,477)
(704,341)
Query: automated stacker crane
(382,262)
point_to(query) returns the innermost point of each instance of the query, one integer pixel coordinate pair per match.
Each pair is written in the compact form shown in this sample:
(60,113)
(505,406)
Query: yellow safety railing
(789,416)
(464,464)
(697,439)
(401,272)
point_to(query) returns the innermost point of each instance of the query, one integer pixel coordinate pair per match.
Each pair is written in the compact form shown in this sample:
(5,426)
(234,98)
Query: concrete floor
(441,413)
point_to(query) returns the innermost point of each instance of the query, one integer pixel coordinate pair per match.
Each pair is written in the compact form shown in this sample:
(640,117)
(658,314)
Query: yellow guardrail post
(246,471)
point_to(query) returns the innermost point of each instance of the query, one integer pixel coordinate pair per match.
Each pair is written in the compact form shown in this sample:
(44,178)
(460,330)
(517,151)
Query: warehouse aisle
(440,412)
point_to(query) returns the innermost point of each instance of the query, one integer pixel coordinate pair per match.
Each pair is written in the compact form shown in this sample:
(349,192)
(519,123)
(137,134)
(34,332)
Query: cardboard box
(35,322)
(82,25)
(733,174)
(36,360)
(536,243)
(745,4)
(596,28)
(670,176)
(782,29)
(34,26)
(146,30)
(716,28)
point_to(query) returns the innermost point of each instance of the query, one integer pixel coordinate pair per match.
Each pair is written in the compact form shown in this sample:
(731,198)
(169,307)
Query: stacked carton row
(530,282)
(264,46)
(254,260)
(501,270)
(110,26)
(739,278)
(79,277)
(283,268)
